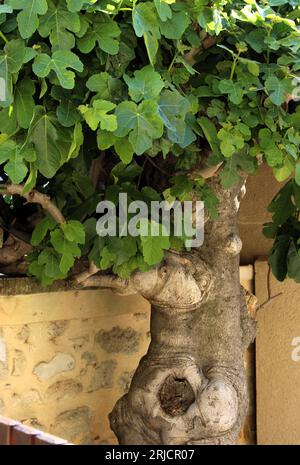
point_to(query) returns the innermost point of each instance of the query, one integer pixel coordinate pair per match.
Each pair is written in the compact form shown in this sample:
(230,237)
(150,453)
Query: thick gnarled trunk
(190,387)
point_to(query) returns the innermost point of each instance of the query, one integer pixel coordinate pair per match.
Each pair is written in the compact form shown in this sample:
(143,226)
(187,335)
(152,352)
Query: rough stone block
(60,363)
(19,363)
(103,376)
(125,380)
(89,358)
(64,389)
(3,351)
(24,333)
(119,340)
(77,422)
(57,328)
(79,342)
(27,398)
(3,370)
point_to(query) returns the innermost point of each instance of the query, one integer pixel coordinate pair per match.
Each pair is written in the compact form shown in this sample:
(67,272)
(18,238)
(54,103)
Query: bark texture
(190,387)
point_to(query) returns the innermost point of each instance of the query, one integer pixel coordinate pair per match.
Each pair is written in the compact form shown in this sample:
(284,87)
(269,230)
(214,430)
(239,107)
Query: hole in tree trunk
(176,395)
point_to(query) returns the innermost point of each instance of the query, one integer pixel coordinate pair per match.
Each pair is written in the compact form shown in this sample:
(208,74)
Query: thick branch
(13,250)
(163,283)
(116,284)
(34,197)
(207,43)
(17,268)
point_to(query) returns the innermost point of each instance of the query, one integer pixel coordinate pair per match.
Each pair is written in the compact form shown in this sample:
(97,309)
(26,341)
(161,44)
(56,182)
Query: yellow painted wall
(93,341)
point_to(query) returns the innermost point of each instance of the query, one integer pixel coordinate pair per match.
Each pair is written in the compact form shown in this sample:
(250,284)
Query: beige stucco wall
(277,374)
(277,359)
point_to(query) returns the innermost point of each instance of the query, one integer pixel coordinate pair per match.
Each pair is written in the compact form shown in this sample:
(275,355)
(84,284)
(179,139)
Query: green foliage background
(112,79)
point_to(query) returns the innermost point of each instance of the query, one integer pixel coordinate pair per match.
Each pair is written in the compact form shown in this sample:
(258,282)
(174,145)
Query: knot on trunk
(179,402)
(233,245)
(176,395)
(174,285)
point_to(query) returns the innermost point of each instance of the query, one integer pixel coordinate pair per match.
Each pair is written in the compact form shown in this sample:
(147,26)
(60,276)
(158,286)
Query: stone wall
(67,356)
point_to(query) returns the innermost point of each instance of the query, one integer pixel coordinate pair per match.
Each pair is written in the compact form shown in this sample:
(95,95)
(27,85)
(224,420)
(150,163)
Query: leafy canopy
(109,96)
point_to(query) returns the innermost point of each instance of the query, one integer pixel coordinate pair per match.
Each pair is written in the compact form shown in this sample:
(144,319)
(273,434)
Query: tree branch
(207,43)
(17,268)
(205,172)
(82,277)
(96,169)
(157,167)
(34,197)
(13,250)
(116,284)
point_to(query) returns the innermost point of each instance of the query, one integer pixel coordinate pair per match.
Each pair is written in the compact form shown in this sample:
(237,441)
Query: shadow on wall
(260,190)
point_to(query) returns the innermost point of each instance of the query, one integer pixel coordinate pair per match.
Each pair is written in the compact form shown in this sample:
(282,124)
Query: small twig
(141,173)
(269,292)
(82,277)
(96,169)
(3,37)
(268,300)
(34,197)
(206,172)
(172,63)
(157,167)
(268,282)
(206,44)
(189,57)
